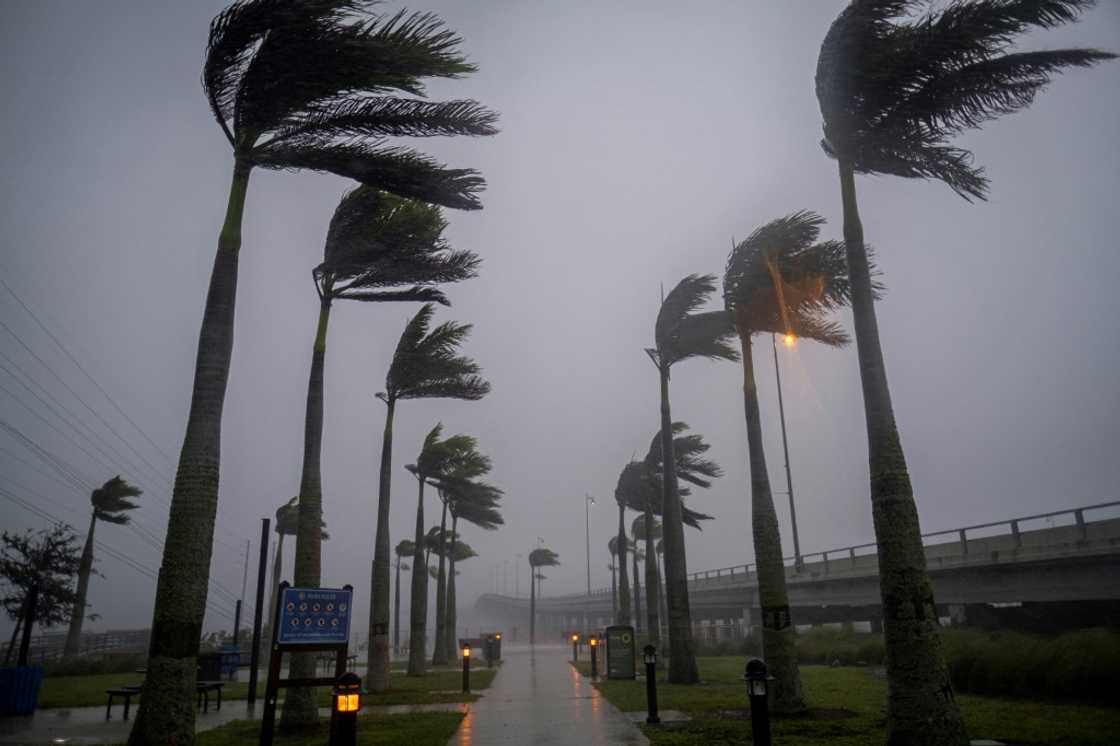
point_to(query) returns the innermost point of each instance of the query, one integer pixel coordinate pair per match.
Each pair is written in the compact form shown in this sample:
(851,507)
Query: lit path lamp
(466,668)
(575,648)
(346,701)
(649,655)
(593,647)
(758,680)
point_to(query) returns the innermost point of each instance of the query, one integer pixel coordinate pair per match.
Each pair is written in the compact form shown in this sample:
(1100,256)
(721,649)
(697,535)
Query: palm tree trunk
(166,713)
(663,611)
(299,703)
(532,604)
(439,654)
(78,615)
(614,590)
(418,613)
(637,592)
(451,643)
(682,655)
(623,615)
(653,623)
(778,633)
(277,571)
(377,663)
(397,612)
(921,709)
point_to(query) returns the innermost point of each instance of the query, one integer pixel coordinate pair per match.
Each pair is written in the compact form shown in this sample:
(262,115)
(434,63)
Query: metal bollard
(650,658)
(575,648)
(466,668)
(757,681)
(593,648)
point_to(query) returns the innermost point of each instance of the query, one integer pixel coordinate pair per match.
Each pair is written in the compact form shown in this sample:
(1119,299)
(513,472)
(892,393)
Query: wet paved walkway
(537,698)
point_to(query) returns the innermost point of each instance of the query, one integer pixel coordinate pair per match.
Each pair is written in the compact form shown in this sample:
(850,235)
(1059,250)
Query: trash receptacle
(19,689)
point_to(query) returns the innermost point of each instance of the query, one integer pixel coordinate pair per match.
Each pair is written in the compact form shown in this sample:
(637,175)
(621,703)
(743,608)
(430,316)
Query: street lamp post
(517,576)
(588,501)
(788,340)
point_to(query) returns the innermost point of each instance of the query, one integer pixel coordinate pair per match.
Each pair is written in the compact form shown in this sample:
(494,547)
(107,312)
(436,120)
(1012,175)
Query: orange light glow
(575,638)
(466,652)
(593,642)
(789,340)
(348,702)
(498,636)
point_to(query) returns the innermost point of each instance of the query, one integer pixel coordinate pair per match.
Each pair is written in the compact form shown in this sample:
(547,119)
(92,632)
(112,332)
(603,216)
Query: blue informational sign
(314,616)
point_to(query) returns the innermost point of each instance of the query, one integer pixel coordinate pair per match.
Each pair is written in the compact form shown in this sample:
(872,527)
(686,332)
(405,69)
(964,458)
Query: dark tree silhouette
(292,85)
(540,557)
(402,550)
(47,559)
(894,90)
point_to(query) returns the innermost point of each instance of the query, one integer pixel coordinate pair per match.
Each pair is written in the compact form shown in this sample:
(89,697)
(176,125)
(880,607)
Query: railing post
(1015,534)
(964,543)
(852,554)
(825,555)
(1082,532)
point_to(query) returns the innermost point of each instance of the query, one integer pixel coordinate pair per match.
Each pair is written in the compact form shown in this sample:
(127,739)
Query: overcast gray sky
(637,139)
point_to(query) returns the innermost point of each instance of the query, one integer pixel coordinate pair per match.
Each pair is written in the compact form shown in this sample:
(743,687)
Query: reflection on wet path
(537,698)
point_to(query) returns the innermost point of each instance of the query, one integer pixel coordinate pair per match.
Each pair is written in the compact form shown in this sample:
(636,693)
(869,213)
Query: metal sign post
(305,620)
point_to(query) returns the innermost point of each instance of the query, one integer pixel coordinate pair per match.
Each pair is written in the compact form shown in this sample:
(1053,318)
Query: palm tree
(425,366)
(625,478)
(476,503)
(438,459)
(287,524)
(681,334)
(648,529)
(111,504)
(893,91)
(292,86)
(379,248)
(780,281)
(540,557)
(612,547)
(402,550)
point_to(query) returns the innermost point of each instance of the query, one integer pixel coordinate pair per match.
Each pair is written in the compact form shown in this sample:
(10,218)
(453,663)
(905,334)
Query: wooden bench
(128,692)
(203,688)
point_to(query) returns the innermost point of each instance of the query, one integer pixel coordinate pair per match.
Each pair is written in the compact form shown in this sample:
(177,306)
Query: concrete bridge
(1042,572)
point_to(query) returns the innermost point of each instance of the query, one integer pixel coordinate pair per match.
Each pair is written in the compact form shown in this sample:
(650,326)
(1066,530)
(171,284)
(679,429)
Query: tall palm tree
(438,459)
(780,281)
(540,557)
(646,528)
(292,86)
(893,91)
(402,550)
(287,524)
(425,365)
(111,504)
(476,503)
(691,466)
(680,334)
(379,248)
(629,474)
(612,547)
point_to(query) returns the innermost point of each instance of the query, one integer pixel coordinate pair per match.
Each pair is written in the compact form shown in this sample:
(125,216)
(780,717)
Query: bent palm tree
(541,557)
(893,92)
(379,248)
(779,280)
(425,365)
(111,504)
(292,86)
(402,550)
(476,503)
(682,334)
(437,460)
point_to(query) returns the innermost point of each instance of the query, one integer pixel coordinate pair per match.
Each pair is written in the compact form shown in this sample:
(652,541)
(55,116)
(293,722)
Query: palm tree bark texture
(418,613)
(778,633)
(623,616)
(920,693)
(299,703)
(682,652)
(74,633)
(439,654)
(377,665)
(653,587)
(166,713)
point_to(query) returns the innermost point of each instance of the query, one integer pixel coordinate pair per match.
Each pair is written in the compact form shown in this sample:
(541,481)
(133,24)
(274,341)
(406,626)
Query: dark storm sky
(637,139)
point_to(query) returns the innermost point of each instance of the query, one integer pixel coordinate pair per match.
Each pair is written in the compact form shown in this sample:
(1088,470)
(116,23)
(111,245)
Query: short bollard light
(346,701)
(575,648)
(758,680)
(593,646)
(649,655)
(466,668)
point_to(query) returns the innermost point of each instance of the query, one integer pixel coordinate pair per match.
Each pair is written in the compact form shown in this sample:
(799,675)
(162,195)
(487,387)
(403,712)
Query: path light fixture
(593,643)
(758,680)
(649,656)
(346,701)
(466,668)
(575,648)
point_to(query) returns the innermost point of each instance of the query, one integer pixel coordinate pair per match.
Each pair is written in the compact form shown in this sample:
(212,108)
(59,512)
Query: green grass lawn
(418,729)
(442,685)
(848,710)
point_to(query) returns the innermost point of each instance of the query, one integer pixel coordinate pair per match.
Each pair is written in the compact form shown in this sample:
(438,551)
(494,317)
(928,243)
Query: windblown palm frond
(457,454)
(378,242)
(425,364)
(681,333)
(309,84)
(405,548)
(543,557)
(111,501)
(894,88)
(287,520)
(638,529)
